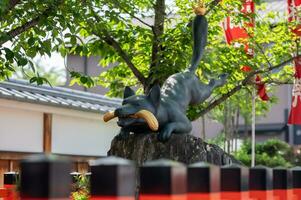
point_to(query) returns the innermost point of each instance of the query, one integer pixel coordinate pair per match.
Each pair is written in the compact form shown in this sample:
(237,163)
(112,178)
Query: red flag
(261,89)
(235,32)
(294,6)
(237,35)
(295,114)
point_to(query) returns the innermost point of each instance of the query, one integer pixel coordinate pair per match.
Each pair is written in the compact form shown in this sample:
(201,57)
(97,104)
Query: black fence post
(113,178)
(162,180)
(203,181)
(296,181)
(261,183)
(282,182)
(45,177)
(234,182)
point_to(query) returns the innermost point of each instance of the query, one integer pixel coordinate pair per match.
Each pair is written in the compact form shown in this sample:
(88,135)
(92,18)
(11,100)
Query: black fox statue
(164,110)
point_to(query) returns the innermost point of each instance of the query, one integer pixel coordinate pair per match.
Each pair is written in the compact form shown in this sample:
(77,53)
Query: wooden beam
(47,132)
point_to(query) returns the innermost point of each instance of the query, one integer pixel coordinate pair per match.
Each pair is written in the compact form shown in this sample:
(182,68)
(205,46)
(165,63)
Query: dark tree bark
(158,31)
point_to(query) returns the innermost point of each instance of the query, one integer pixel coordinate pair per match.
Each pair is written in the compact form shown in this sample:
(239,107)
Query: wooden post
(203,136)
(253,128)
(47,132)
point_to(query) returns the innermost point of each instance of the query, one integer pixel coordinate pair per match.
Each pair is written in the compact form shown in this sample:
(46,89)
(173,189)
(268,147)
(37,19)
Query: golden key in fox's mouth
(149,117)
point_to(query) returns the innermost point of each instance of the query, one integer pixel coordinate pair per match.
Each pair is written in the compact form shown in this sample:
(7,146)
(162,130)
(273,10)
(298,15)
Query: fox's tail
(199,34)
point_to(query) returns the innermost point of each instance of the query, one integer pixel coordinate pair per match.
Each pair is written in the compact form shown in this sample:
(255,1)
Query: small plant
(81,188)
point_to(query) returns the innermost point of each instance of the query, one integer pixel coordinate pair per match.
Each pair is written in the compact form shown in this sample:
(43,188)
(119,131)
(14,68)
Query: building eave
(57,97)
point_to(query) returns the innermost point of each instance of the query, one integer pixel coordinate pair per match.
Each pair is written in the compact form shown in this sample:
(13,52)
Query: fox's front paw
(164,135)
(123,135)
(219,82)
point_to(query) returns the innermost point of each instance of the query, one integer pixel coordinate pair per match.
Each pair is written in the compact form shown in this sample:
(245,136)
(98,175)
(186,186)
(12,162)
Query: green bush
(271,153)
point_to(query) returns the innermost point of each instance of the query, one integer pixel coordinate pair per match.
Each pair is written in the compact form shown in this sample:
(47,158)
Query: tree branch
(12,4)
(113,43)
(212,5)
(247,80)
(17,31)
(105,36)
(28,25)
(276,82)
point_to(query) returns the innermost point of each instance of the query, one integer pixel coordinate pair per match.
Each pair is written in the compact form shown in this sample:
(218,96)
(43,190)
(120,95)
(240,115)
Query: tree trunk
(158,31)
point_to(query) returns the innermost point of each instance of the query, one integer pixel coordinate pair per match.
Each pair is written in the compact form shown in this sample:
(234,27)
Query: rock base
(187,149)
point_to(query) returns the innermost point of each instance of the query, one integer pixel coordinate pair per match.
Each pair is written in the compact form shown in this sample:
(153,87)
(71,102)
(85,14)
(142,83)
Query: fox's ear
(154,95)
(128,92)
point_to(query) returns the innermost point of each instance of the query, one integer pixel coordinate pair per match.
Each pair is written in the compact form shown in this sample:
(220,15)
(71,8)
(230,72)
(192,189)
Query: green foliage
(219,140)
(271,153)
(120,32)
(244,105)
(81,79)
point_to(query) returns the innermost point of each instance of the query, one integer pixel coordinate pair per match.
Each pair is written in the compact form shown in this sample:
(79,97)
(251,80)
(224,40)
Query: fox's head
(137,111)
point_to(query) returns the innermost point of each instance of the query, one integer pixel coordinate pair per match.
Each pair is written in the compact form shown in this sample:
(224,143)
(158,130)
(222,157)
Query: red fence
(47,177)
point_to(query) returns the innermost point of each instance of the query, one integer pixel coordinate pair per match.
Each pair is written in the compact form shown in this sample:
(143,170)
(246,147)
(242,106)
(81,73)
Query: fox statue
(164,110)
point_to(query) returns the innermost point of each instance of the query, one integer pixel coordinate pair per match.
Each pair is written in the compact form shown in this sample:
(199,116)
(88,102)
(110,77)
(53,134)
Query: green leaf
(22,62)
(33,79)
(73,40)
(32,52)
(31,41)
(83,80)
(9,55)
(39,80)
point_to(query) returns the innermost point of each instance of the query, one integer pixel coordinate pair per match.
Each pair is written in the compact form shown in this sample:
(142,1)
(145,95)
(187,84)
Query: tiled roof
(57,96)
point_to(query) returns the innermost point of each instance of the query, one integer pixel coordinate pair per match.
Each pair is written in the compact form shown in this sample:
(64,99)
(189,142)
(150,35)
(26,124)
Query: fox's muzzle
(149,117)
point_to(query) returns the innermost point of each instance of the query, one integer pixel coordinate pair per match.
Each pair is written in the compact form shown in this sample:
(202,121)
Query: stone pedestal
(187,149)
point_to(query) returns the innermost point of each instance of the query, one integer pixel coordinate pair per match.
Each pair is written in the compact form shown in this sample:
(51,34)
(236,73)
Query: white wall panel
(81,136)
(21,130)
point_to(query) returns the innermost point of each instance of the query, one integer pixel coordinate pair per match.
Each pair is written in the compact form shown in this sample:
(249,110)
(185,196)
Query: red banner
(235,32)
(237,35)
(294,6)
(295,114)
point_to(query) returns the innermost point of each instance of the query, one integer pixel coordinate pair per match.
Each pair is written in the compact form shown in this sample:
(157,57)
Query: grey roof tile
(57,96)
